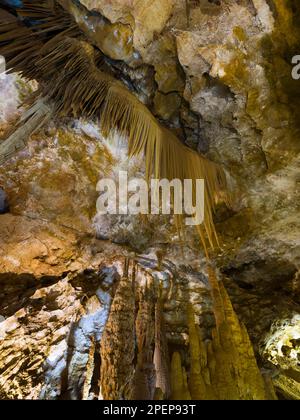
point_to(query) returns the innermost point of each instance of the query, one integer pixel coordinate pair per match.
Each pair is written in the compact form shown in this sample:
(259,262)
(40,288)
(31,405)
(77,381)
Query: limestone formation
(118,342)
(223,368)
(123,307)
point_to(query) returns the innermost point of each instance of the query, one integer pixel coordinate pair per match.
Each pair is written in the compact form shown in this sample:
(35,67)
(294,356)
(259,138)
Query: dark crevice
(17,289)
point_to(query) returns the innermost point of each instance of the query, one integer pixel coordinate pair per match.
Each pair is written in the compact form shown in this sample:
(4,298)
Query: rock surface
(221,76)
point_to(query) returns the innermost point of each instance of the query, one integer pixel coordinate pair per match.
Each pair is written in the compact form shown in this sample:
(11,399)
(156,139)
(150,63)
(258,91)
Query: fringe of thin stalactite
(66,68)
(22,37)
(78,87)
(21,46)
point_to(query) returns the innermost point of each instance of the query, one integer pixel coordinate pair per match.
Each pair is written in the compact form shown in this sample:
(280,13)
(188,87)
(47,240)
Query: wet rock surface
(220,76)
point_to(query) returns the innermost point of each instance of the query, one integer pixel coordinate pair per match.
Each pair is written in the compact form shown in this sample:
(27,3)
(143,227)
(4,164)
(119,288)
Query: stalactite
(30,122)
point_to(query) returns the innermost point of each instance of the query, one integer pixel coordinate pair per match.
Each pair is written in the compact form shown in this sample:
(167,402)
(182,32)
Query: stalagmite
(144,379)
(236,375)
(118,342)
(224,368)
(89,371)
(161,352)
(197,355)
(178,379)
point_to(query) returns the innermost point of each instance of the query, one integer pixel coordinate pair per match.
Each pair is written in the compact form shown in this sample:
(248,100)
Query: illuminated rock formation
(118,342)
(73,322)
(225,367)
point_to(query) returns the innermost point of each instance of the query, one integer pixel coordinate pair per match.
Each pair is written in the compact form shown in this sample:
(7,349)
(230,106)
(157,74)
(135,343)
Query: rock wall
(220,76)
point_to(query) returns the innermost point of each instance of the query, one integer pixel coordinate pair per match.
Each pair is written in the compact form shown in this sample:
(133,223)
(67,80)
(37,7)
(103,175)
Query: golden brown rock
(161,352)
(178,379)
(118,342)
(222,77)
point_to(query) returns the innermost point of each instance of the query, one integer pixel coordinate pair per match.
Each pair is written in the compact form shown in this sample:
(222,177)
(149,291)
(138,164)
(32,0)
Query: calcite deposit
(120,307)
